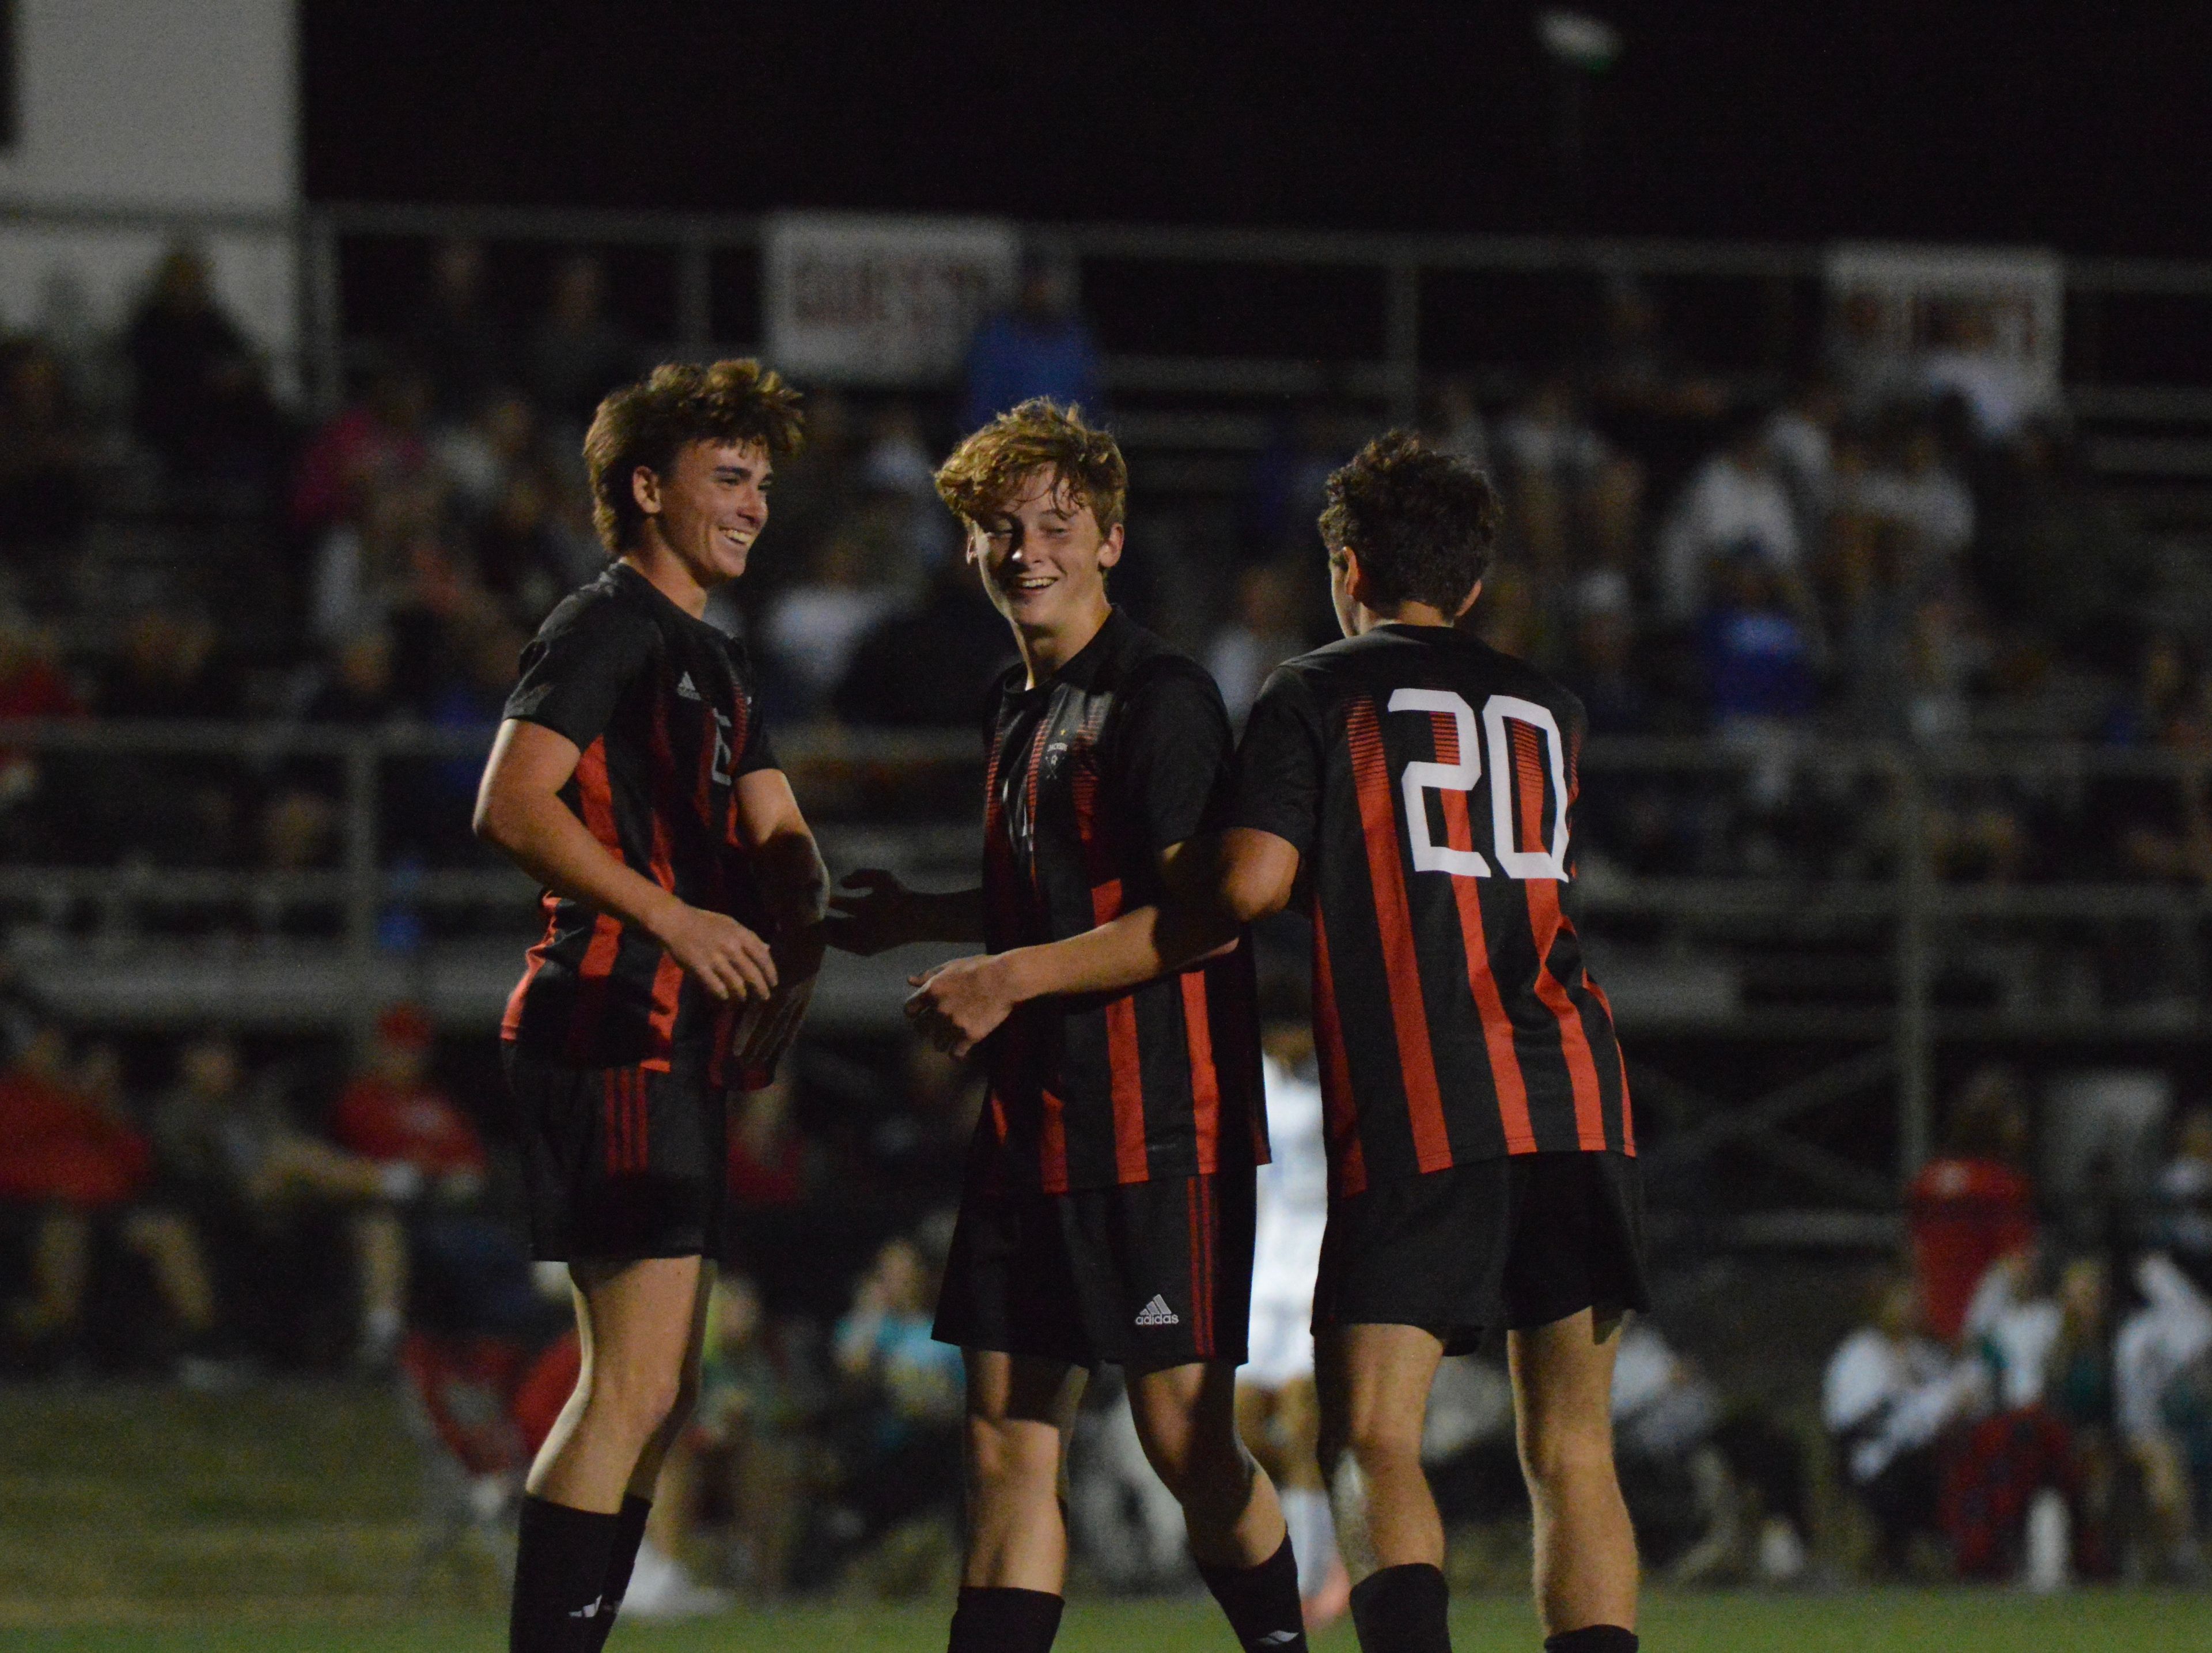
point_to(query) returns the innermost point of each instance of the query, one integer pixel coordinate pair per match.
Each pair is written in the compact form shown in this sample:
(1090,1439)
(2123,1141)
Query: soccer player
(1418,787)
(684,893)
(1107,1213)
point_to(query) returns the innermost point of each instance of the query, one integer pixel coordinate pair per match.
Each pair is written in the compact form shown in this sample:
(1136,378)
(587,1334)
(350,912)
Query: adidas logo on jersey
(1156,1313)
(686,688)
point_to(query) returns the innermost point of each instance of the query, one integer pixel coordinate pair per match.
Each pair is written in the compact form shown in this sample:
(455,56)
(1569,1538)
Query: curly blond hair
(988,470)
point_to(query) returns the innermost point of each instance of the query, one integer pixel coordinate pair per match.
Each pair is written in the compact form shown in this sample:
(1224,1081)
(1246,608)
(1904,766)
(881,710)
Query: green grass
(1953,1621)
(137,1519)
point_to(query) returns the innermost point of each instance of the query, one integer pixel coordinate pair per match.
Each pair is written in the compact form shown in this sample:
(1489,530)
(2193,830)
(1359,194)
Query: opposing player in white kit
(1277,1410)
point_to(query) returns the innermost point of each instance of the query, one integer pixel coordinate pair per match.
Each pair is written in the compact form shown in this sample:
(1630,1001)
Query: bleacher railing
(1872,946)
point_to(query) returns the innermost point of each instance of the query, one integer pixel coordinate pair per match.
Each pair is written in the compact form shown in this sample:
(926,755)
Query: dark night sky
(1794,120)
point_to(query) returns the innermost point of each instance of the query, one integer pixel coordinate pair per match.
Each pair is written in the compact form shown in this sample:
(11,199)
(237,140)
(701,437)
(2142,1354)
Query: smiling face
(707,507)
(1042,558)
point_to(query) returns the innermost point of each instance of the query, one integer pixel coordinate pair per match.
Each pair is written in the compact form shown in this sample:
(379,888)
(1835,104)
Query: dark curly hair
(987,471)
(1423,522)
(649,422)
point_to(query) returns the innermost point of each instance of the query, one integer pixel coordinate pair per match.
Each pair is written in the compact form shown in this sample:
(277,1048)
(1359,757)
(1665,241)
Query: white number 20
(1429,856)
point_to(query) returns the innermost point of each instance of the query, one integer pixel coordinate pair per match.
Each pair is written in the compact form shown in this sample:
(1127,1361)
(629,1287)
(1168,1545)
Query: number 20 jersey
(1428,784)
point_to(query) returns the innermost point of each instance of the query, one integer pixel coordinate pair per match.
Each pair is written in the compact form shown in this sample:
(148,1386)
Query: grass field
(1953,1621)
(138,1519)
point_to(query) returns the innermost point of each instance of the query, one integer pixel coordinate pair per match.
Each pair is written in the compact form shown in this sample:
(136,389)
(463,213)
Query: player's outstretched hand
(957,1005)
(871,912)
(729,961)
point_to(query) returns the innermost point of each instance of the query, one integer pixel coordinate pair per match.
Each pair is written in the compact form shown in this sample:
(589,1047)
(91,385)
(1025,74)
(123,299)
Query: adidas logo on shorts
(1156,1313)
(687,689)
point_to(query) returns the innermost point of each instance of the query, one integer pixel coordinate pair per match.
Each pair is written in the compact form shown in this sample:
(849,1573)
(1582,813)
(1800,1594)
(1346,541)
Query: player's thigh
(1371,1383)
(1562,1378)
(639,1321)
(1185,1413)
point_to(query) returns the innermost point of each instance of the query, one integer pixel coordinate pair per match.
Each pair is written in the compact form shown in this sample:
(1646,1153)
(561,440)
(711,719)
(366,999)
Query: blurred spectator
(2181,1217)
(2001,389)
(903,1396)
(1737,503)
(930,665)
(391,1113)
(256,1183)
(768,1158)
(1456,424)
(578,352)
(477,456)
(2162,1380)
(1890,1394)
(31,686)
(1800,436)
(177,809)
(45,489)
(745,1457)
(2047,1337)
(1040,347)
(199,398)
(70,1155)
(376,442)
(1757,658)
(1909,484)
(1973,1203)
(1643,375)
(812,628)
(1717,1492)
(1572,498)
(897,516)
(453,333)
(1262,632)
(357,687)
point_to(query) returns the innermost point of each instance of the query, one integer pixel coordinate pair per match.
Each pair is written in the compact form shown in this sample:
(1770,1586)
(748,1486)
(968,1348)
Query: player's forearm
(1125,953)
(546,841)
(794,881)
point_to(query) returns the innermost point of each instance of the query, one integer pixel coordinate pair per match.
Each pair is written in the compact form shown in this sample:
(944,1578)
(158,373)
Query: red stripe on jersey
(1052,1141)
(597,799)
(1545,921)
(510,1022)
(1528,777)
(1205,1077)
(1505,1076)
(1379,817)
(1627,1113)
(1125,1069)
(1348,1161)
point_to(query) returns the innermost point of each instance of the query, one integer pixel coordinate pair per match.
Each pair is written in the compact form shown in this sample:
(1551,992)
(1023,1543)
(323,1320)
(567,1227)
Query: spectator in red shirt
(1974,1204)
(67,1150)
(393,1113)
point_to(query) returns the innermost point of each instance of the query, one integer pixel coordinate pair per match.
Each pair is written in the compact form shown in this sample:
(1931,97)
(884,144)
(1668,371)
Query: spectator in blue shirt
(1040,346)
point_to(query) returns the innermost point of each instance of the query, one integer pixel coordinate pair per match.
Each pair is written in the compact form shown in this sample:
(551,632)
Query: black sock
(1003,1621)
(1403,1610)
(627,1536)
(1261,1602)
(1592,1638)
(560,1577)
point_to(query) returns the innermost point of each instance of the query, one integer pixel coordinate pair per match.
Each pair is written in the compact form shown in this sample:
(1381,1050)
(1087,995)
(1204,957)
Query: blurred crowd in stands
(1915,557)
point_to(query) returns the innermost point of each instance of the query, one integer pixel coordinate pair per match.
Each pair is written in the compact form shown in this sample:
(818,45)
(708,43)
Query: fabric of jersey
(1453,1015)
(663,709)
(1090,776)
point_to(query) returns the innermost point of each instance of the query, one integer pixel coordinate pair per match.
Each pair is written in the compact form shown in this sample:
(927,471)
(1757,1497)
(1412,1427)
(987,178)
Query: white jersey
(1293,1189)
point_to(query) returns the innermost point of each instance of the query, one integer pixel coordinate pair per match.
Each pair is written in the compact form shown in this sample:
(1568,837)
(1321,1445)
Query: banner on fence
(881,301)
(1985,323)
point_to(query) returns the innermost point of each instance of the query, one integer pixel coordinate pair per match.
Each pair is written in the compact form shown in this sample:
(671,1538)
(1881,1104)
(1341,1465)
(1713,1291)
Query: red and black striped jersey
(662,707)
(1090,775)
(1428,784)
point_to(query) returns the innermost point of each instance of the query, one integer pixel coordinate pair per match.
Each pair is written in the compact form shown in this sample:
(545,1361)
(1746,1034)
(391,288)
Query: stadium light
(1579,40)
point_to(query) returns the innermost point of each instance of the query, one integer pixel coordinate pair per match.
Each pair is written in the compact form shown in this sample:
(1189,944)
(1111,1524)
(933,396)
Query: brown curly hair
(987,470)
(649,422)
(1423,522)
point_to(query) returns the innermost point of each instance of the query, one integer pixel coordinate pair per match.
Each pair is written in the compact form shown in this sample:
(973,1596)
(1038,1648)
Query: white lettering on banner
(882,300)
(1548,861)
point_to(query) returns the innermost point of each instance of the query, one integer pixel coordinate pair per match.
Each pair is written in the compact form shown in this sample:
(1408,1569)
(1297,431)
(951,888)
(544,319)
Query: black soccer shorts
(620,1162)
(1142,1276)
(1511,1243)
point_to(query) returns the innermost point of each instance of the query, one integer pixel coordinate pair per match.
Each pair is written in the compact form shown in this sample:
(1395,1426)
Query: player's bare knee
(636,1403)
(1561,1457)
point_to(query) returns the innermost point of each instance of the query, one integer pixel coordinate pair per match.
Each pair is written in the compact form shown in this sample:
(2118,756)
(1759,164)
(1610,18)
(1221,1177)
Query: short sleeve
(759,752)
(1170,754)
(577,667)
(1278,778)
